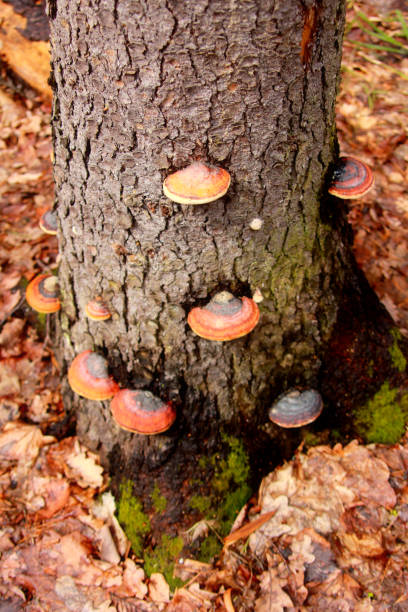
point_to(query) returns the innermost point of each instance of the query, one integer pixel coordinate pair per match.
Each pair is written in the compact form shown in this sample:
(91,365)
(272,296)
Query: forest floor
(329,526)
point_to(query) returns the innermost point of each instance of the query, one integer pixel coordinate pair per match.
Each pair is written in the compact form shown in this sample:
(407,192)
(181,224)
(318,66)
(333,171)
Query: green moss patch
(230,492)
(158,500)
(134,521)
(210,548)
(383,418)
(398,360)
(162,558)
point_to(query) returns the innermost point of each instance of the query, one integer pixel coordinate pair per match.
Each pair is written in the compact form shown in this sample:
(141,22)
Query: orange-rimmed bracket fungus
(89,377)
(352,179)
(198,183)
(48,222)
(141,412)
(225,317)
(296,408)
(97,310)
(42,293)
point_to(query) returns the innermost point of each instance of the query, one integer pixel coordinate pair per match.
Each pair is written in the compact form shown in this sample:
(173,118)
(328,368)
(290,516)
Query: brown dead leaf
(9,380)
(56,494)
(8,301)
(159,590)
(366,546)
(367,475)
(246,530)
(21,443)
(273,598)
(185,601)
(84,469)
(134,579)
(10,344)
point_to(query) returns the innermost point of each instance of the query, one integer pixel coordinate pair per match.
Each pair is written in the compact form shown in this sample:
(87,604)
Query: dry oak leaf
(10,338)
(367,475)
(273,598)
(21,443)
(133,579)
(184,601)
(363,546)
(9,380)
(8,301)
(339,595)
(56,494)
(84,469)
(159,590)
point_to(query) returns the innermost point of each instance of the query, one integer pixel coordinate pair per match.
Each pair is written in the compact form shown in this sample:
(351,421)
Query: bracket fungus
(97,310)
(42,293)
(198,183)
(88,376)
(141,412)
(48,223)
(352,178)
(225,317)
(296,408)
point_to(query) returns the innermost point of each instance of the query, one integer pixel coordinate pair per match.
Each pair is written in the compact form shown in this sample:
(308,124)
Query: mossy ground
(382,419)
(158,500)
(136,524)
(230,491)
(134,521)
(162,557)
(398,360)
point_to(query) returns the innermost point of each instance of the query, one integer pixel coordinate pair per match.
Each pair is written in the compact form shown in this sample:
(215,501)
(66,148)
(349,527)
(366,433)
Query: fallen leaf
(159,590)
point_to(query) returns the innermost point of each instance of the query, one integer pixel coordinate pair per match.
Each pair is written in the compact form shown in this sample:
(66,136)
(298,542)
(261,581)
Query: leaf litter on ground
(372,123)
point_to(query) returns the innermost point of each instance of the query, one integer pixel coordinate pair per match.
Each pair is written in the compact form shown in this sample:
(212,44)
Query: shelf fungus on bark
(225,317)
(97,310)
(88,376)
(48,222)
(352,179)
(141,412)
(42,293)
(198,183)
(296,408)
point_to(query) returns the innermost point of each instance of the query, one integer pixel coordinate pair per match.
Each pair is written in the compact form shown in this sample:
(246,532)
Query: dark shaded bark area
(143,89)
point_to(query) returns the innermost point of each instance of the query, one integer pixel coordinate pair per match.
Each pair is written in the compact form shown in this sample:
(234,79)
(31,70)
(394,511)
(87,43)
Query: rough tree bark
(141,90)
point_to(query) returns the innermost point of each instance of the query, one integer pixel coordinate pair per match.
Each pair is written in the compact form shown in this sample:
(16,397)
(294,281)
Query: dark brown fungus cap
(352,178)
(88,376)
(141,412)
(296,408)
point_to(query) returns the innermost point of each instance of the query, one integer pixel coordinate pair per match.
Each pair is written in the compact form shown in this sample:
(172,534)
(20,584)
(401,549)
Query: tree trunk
(143,89)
